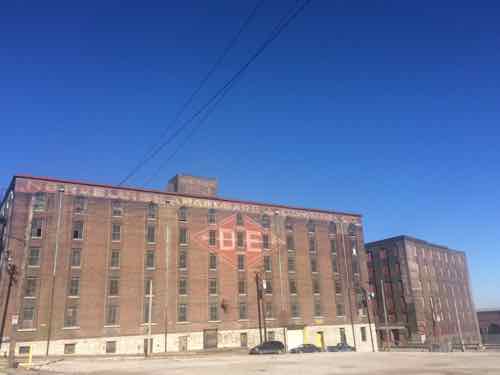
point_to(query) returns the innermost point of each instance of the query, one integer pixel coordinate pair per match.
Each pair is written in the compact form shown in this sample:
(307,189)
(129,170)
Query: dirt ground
(289,364)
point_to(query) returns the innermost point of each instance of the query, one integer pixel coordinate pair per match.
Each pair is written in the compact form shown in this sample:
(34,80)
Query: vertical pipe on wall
(54,269)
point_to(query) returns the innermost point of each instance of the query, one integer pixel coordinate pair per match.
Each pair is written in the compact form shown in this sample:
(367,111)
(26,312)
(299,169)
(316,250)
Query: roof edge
(67,181)
(488,309)
(9,188)
(405,237)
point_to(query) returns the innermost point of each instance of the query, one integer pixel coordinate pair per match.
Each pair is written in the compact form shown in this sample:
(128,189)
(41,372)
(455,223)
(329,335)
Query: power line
(189,136)
(232,43)
(219,96)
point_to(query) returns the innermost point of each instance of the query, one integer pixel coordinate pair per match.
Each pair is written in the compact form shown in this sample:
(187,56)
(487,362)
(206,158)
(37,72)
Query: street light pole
(368,297)
(263,309)
(12,271)
(149,349)
(348,285)
(387,332)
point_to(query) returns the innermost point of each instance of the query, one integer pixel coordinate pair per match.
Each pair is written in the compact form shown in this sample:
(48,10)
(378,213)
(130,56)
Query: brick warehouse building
(489,325)
(427,292)
(87,255)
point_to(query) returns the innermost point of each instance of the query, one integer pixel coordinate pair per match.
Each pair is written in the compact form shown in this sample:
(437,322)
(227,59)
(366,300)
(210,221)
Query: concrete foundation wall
(131,345)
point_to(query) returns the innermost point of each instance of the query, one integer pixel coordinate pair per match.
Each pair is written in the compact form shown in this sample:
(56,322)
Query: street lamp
(367,297)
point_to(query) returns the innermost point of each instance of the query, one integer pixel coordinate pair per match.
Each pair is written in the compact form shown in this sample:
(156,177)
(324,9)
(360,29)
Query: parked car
(341,347)
(268,347)
(306,348)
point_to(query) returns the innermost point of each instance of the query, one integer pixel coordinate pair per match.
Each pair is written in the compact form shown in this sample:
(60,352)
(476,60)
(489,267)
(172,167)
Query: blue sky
(383,108)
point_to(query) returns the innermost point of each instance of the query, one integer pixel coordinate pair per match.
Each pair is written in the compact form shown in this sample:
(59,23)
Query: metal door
(210,339)
(183,343)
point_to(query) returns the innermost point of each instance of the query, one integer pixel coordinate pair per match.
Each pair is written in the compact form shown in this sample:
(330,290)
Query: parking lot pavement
(290,364)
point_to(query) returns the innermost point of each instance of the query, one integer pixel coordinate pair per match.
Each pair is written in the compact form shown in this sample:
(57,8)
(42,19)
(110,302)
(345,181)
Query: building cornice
(179,197)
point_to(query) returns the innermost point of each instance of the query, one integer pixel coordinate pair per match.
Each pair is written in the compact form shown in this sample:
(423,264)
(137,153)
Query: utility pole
(387,332)
(462,347)
(368,297)
(149,350)
(167,253)
(348,285)
(277,229)
(12,271)
(435,320)
(259,296)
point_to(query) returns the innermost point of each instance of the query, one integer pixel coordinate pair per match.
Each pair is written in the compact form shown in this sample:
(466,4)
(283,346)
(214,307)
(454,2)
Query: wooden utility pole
(367,298)
(150,315)
(12,271)
(259,295)
(348,284)
(387,331)
(462,346)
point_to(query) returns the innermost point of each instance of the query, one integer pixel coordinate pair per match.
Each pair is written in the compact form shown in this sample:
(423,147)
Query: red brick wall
(96,251)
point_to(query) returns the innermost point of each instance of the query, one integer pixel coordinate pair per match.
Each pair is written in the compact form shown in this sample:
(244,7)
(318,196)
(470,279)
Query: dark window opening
(78,230)
(183,214)
(36,228)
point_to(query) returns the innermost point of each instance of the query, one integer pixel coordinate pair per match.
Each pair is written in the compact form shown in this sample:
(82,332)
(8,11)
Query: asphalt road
(289,364)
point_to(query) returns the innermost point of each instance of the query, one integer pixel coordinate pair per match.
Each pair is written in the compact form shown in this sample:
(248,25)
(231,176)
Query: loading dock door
(320,340)
(210,339)
(294,338)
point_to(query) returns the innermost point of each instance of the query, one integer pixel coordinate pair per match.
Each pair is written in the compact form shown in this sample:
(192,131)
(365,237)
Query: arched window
(289,223)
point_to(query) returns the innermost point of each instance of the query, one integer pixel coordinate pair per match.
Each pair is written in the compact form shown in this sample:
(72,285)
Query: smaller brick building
(489,325)
(426,291)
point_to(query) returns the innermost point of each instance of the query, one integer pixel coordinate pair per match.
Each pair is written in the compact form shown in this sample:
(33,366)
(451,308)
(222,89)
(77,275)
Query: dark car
(268,347)
(305,348)
(341,347)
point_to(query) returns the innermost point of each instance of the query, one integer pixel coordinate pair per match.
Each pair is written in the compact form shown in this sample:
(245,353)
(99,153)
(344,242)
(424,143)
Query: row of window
(117,210)
(116,234)
(149,262)
(80,205)
(77,231)
(75,261)
(113,309)
(76,257)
